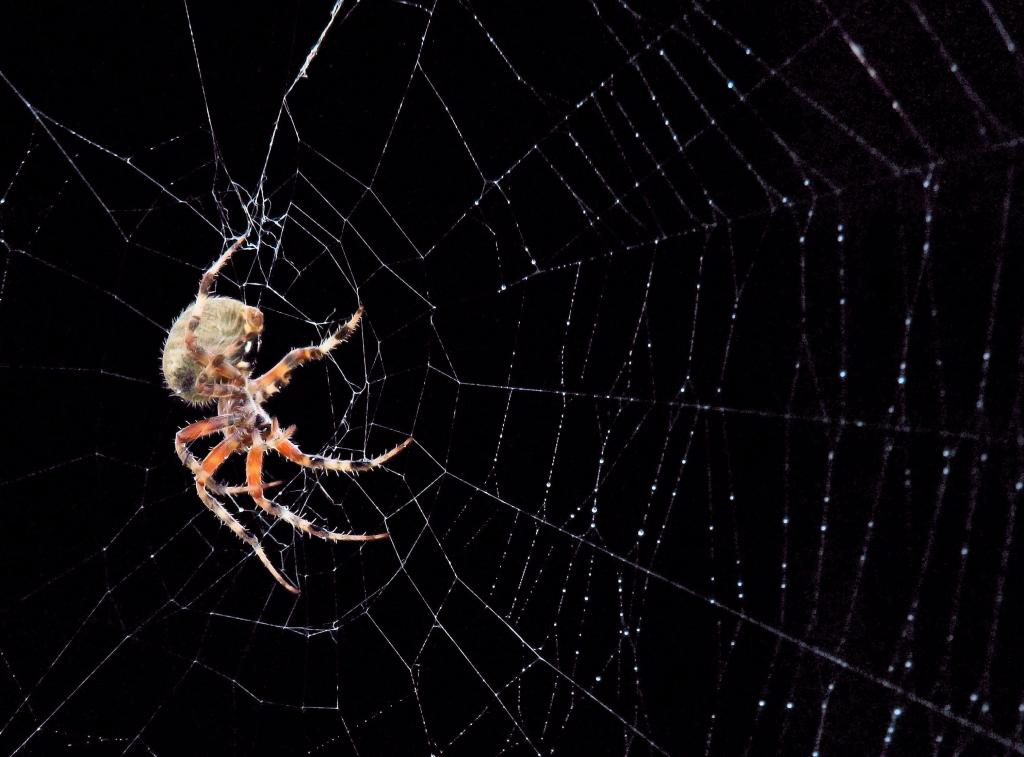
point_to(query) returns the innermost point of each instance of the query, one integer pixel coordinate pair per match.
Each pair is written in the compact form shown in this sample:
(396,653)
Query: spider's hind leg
(205,285)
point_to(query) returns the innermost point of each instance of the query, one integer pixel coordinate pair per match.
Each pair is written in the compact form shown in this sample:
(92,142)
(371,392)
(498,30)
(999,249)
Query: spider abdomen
(225,321)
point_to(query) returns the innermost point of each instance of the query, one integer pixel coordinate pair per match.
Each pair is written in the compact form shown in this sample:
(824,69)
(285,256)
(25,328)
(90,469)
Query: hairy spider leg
(254,477)
(198,430)
(195,431)
(283,445)
(272,381)
(205,285)
(209,466)
(218,391)
(219,365)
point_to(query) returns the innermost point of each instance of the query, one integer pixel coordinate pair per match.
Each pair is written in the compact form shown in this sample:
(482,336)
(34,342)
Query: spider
(206,359)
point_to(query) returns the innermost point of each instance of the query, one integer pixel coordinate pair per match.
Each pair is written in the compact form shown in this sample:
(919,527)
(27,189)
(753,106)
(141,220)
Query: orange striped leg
(216,365)
(210,464)
(198,430)
(217,391)
(283,445)
(271,381)
(254,477)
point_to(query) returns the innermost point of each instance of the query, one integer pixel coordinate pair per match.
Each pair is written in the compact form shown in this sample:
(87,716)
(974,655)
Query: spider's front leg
(198,430)
(279,441)
(207,468)
(254,477)
(278,376)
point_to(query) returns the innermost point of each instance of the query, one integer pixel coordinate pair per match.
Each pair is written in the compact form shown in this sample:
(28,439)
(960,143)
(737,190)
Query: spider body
(224,324)
(206,359)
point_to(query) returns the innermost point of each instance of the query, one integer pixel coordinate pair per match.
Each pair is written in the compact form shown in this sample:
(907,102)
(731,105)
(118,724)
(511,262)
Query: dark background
(683,264)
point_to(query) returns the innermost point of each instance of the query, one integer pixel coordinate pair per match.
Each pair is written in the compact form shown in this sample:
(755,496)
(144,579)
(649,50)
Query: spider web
(706,321)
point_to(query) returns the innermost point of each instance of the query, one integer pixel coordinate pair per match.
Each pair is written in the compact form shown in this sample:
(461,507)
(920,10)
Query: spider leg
(218,365)
(271,381)
(214,390)
(195,431)
(283,445)
(254,477)
(209,466)
(205,285)
(245,489)
(198,430)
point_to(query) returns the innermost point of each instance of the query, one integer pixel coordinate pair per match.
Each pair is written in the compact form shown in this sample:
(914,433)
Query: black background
(708,259)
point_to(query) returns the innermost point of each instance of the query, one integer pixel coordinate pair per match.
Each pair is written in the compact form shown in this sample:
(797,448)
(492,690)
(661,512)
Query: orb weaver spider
(206,359)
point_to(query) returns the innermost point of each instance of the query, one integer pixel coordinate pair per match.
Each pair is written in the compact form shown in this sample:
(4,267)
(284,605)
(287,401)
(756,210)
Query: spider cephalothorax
(205,360)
